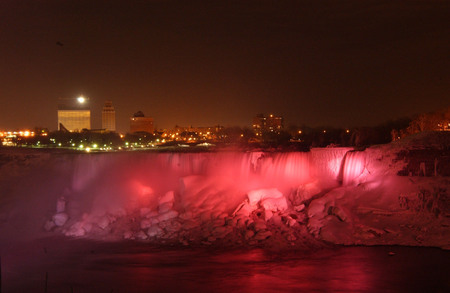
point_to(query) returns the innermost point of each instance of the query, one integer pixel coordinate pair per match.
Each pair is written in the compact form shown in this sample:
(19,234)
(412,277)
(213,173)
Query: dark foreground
(63,265)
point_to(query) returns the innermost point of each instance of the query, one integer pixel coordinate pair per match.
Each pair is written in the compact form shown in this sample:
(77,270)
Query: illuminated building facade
(109,117)
(74,115)
(271,123)
(140,123)
(192,134)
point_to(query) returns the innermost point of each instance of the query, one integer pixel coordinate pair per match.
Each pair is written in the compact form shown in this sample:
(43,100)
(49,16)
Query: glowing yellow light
(88,149)
(348,131)
(299,132)
(324,131)
(81,99)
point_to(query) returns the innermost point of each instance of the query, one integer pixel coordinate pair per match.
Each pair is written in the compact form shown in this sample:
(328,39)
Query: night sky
(201,63)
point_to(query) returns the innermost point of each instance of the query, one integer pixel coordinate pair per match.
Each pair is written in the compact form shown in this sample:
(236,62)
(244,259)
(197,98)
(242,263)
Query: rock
(146,223)
(186,216)
(255,196)
(274,204)
(267,215)
(169,197)
(141,235)
(60,219)
(87,227)
(299,208)
(276,219)
(103,222)
(249,234)
(128,235)
(290,222)
(165,207)
(154,231)
(244,209)
(145,211)
(61,205)
(339,213)
(262,235)
(241,223)
(205,216)
(49,225)
(189,224)
(316,208)
(221,232)
(259,225)
(218,222)
(167,216)
(291,237)
(76,230)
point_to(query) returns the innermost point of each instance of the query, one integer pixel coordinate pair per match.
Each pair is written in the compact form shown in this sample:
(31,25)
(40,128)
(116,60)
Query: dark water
(81,266)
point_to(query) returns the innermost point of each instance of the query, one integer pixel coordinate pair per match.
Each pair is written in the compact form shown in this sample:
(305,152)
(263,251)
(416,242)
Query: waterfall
(353,167)
(162,172)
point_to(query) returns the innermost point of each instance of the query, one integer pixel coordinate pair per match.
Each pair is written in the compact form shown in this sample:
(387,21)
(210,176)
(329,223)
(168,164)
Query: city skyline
(333,63)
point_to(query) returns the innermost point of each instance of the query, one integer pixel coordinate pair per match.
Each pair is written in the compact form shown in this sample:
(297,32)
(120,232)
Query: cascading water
(353,167)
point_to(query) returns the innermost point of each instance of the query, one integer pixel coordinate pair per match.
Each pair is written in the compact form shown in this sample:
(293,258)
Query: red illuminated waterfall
(245,171)
(173,192)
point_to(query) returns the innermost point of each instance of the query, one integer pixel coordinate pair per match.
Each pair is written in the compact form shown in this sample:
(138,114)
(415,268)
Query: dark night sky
(340,63)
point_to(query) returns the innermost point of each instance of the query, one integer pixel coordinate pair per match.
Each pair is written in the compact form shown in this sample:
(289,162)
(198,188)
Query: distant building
(74,115)
(108,117)
(140,123)
(271,123)
(191,133)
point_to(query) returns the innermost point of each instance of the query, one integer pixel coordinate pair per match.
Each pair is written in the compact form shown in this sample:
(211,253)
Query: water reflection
(355,269)
(130,267)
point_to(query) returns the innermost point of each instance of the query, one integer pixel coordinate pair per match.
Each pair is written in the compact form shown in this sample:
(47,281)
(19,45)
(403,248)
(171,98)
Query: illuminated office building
(74,115)
(108,117)
(140,123)
(271,123)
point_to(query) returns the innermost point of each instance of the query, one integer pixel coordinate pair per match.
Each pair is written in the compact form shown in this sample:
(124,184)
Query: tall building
(140,123)
(108,117)
(271,123)
(74,115)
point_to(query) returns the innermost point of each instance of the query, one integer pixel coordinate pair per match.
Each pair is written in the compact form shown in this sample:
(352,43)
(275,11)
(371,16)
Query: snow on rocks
(264,214)
(259,195)
(60,219)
